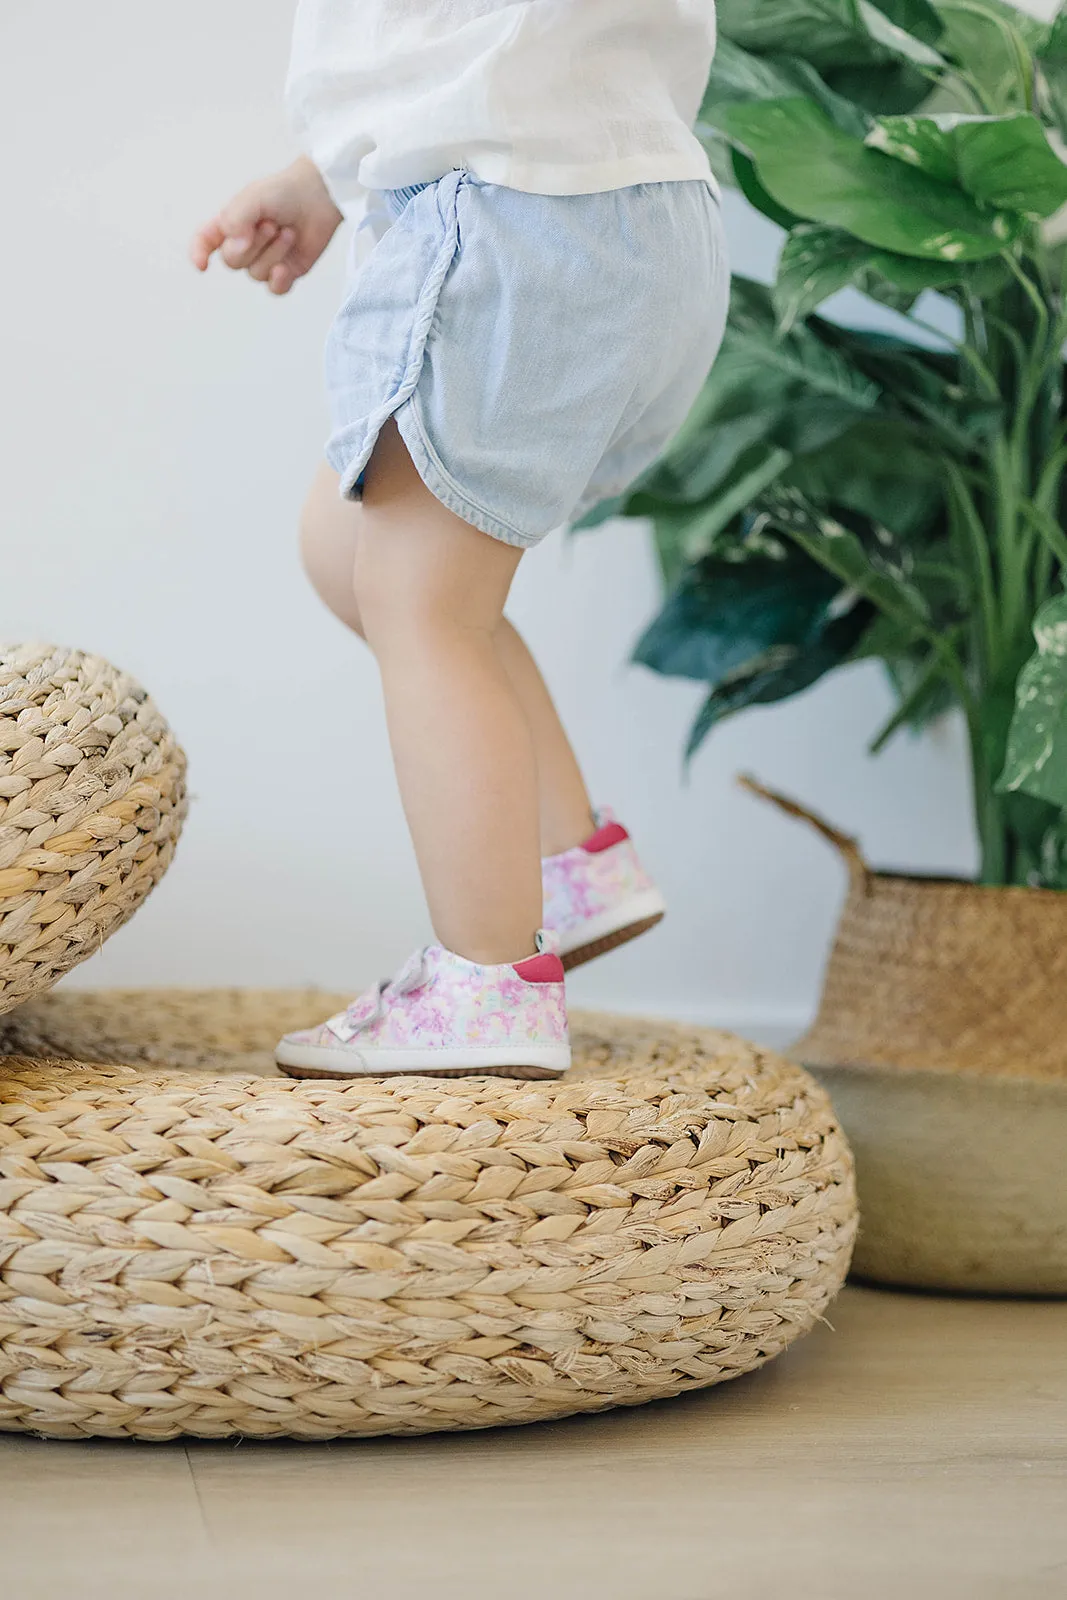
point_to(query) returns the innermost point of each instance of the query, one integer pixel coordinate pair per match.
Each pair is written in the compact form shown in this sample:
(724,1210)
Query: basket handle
(842,842)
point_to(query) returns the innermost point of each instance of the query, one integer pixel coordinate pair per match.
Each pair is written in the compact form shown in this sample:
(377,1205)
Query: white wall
(157,434)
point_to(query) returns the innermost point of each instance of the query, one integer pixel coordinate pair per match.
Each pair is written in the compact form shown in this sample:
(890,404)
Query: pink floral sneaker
(447,1017)
(598,895)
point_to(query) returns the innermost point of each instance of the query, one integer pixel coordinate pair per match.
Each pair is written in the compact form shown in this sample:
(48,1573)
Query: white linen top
(550,96)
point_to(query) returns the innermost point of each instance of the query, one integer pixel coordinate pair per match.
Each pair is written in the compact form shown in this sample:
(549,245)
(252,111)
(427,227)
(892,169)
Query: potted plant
(839,493)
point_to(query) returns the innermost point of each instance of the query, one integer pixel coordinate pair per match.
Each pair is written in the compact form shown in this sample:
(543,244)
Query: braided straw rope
(236,1254)
(92,798)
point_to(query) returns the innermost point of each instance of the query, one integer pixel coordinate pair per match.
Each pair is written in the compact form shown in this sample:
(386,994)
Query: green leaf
(726,618)
(888,86)
(875,469)
(995,43)
(739,76)
(828,33)
(1052,59)
(917,17)
(874,573)
(922,696)
(923,691)
(1053,46)
(799,357)
(861,54)
(672,529)
(817,261)
(924,385)
(891,642)
(744,539)
(1036,761)
(908,677)
(811,167)
(781,675)
(1006,162)
(1031,31)
(881,469)
(747,180)
(896,40)
(699,528)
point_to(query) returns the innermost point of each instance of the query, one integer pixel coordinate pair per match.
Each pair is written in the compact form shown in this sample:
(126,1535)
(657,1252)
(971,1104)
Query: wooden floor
(918,1449)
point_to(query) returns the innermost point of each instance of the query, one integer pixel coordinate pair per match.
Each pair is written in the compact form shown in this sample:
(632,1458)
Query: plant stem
(1004,508)
(973,546)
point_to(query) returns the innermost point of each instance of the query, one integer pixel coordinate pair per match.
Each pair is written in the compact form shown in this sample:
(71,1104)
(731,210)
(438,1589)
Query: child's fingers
(274,254)
(242,249)
(243,223)
(265,235)
(282,278)
(205,243)
(240,215)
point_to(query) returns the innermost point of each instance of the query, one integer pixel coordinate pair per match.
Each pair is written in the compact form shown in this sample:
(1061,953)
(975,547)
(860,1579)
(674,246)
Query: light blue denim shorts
(537,351)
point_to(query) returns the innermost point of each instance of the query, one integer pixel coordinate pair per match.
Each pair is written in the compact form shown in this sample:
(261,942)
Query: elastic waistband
(397,199)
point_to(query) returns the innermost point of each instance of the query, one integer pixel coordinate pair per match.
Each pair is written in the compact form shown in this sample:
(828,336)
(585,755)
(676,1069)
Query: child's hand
(275,229)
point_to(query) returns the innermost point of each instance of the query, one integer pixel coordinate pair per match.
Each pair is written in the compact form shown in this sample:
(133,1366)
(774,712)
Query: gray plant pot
(962,1180)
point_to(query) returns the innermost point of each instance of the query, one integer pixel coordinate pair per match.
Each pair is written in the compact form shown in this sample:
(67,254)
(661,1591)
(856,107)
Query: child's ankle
(566,833)
(492,955)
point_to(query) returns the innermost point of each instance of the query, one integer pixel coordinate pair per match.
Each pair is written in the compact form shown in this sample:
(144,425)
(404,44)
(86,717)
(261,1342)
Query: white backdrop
(158,431)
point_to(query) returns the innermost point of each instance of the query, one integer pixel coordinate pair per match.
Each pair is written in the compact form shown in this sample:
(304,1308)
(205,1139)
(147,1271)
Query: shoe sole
(476,1061)
(608,941)
(423,1072)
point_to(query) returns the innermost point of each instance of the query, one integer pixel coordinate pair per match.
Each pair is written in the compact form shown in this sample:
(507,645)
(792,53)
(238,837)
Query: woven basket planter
(211,1252)
(942,1037)
(92,797)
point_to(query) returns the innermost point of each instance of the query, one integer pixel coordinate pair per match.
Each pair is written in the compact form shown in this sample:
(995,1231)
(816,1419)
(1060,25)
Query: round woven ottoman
(202,1248)
(92,797)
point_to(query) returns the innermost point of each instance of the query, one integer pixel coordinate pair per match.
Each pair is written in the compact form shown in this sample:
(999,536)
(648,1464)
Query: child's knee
(386,593)
(403,600)
(420,569)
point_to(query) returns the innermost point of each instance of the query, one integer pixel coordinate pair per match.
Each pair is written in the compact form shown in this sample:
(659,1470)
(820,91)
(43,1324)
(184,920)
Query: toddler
(524,339)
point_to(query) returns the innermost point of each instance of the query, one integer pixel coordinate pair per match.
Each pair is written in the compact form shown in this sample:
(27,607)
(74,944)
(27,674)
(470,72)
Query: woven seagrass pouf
(213,1252)
(92,798)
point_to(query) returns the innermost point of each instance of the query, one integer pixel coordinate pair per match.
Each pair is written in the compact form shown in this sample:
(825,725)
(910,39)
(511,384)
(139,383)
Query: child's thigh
(417,559)
(329,534)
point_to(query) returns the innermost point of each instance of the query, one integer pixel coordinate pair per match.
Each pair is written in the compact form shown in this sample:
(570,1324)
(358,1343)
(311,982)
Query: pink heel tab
(603,839)
(545,968)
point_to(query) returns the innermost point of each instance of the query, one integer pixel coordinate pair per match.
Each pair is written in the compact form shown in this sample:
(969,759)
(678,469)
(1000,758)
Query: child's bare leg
(329,534)
(565,808)
(431,590)
(329,528)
